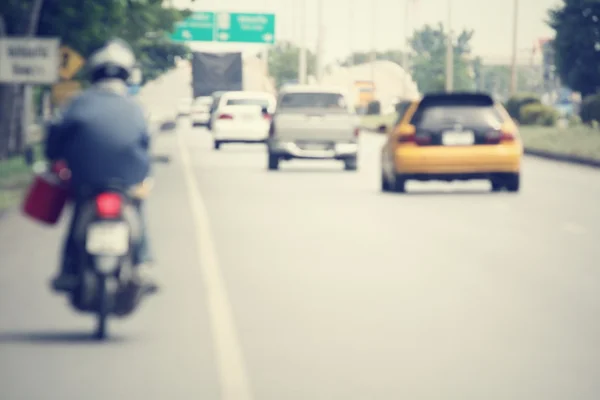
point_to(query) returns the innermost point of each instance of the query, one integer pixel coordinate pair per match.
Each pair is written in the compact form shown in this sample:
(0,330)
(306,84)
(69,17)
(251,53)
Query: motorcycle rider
(103,137)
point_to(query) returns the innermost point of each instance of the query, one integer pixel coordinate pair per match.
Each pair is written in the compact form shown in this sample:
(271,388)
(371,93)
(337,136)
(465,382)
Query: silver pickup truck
(313,123)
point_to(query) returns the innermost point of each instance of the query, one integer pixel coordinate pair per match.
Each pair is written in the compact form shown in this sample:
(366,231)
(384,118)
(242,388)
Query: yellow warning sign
(62,92)
(70,62)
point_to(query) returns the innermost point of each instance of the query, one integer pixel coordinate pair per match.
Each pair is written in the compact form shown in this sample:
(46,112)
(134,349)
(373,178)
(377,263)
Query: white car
(200,113)
(183,107)
(242,117)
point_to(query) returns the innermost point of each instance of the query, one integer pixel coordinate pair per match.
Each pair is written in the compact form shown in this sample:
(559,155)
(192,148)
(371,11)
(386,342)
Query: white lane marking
(230,361)
(575,229)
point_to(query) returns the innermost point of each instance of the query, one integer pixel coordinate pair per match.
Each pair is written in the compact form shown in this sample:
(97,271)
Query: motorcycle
(107,236)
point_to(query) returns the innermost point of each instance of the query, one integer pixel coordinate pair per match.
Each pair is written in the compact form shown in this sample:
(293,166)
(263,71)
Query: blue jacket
(103,137)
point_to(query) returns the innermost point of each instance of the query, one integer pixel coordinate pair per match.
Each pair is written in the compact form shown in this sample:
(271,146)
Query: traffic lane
(340,291)
(162,351)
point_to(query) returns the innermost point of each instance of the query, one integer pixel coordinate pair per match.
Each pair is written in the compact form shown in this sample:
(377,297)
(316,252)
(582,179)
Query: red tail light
(267,116)
(225,116)
(499,136)
(417,139)
(507,137)
(108,205)
(356,132)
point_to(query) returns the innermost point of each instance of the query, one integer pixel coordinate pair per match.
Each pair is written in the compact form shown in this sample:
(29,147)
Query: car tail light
(356,132)
(225,116)
(267,116)
(108,205)
(499,136)
(417,139)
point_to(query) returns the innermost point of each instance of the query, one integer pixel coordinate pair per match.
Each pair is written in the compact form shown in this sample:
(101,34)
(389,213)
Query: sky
(359,25)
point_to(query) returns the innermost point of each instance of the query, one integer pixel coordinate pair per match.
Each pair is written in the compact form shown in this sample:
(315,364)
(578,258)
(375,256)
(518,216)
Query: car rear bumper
(200,118)
(240,135)
(479,160)
(289,150)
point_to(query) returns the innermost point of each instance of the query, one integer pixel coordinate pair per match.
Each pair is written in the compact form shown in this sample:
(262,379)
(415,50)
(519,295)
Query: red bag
(48,195)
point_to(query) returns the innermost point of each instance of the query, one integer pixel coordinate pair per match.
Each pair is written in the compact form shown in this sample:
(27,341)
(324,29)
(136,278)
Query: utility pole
(513,67)
(350,31)
(320,27)
(449,52)
(373,40)
(302,57)
(405,50)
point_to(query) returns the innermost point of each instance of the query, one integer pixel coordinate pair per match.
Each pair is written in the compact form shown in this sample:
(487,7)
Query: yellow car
(452,136)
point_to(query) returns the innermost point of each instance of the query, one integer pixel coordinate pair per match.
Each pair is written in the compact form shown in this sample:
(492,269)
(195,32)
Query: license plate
(107,239)
(462,138)
(314,146)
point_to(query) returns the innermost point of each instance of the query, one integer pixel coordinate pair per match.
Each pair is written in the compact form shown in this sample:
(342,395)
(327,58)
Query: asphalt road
(308,283)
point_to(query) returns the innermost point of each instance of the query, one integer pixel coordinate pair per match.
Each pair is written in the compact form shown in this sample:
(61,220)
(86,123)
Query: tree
(495,78)
(577,44)
(283,62)
(85,26)
(428,62)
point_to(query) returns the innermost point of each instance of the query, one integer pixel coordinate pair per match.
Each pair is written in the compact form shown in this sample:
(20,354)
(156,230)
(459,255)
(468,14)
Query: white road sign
(29,60)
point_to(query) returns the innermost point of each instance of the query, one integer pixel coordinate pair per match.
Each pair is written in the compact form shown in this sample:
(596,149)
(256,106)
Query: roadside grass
(15,176)
(578,140)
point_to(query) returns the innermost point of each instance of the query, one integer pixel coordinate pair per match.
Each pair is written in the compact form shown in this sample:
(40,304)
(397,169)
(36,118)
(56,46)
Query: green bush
(590,109)
(516,102)
(538,114)
(374,108)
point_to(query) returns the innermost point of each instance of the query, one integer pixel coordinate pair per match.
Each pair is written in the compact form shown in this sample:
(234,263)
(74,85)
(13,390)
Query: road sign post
(28,60)
(226,27)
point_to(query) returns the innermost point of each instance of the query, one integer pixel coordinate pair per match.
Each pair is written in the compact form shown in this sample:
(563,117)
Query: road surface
(308,283)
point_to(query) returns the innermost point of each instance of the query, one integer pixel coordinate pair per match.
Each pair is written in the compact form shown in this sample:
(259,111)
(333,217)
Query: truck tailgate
(315,126)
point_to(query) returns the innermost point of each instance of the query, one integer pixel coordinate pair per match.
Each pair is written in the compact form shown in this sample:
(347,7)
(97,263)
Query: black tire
(385,184)
(273,162)
(103,310)
(497,185)
(399,184)
(513,182)
(510,182)
(351,164)
(216,145)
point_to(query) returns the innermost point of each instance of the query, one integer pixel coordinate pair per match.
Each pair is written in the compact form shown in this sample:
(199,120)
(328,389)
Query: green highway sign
(245,28)
(226,27)
(200,27)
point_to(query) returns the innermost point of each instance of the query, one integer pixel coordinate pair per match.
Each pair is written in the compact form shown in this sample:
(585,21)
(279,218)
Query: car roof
(247,94)
(311,89)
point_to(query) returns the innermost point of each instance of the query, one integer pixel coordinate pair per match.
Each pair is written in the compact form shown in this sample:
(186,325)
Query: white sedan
(242,117)
(200,113)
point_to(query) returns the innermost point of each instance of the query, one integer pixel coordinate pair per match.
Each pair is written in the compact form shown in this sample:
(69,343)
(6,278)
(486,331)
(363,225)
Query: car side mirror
(382,128)
(265,110)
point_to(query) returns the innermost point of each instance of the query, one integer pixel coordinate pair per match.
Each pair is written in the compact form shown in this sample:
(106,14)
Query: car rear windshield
(313,100)
(469,115)
(248,102)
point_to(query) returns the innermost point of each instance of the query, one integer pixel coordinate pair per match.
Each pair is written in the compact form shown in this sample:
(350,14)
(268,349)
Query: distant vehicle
(184,106)
(242,117)
(452,136)
(200,113)
(212,72)
(365,93)
(312,123)
(216,96)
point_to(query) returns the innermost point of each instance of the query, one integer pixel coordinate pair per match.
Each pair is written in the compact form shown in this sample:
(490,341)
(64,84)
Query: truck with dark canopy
(215,72)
